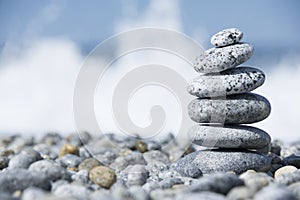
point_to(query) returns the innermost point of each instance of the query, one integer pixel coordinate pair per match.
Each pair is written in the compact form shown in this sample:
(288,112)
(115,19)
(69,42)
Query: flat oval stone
(226,37)
(245,137)
(232,81)
(235,109)
(220,59)
(222,160)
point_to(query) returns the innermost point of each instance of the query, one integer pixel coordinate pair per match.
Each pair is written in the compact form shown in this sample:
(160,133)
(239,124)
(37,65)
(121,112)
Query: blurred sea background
(44,43)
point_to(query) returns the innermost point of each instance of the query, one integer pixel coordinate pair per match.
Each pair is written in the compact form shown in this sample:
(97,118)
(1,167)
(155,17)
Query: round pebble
(284,170)
(232,81)
(141,146)
(226,37)
(89,164)
(235,109)
(137,175)
(223,161)
(292,160)
(242,137)
(68,149)
(103,176)
(220,59)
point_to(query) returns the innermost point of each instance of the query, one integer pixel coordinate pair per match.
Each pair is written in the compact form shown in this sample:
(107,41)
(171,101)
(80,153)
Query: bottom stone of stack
(235,136)
(223,160)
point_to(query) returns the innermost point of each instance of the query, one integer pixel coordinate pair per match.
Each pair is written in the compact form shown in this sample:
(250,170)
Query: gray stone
(156,156)
(170,182)
(24,159)
(292,160)
(190,170)
(289,178)
(295,188)
(72,190)
(240,192)
(235,109)
(275,192)
(232,81)
(226,37)
(7,196)
(201,195)
(81,176)
(79,138)
(50,169)
(220,59)
(122,162)
(33,193)
(219,183)
(256,180)
(70,160)
(20,179)
(89,164)
(138,193)
(245,137)
(3,162)
(224,160)
(137,175)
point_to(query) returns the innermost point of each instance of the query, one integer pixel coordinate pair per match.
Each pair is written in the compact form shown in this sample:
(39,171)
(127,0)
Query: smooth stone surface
(220,59)
(240,192)
(137,175)
(235,109)
(295,188)
(50,169)
(12,180)
(103,176)
(275,192)
(72,191)
(289,178)
(70,160)
(256,180)
(223,160)
(232,81)
(219,183)
(284,170)
(245,137)
(89,164)
(292,160)
(226,37)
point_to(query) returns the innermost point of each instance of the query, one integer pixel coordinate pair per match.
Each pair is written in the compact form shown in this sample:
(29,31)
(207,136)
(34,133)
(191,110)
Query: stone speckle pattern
(224,160)
(226,37)
(243,137)
(220,59)
(236,109)
(232,81)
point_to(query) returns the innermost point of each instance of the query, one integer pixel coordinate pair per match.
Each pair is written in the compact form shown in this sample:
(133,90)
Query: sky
(44,43)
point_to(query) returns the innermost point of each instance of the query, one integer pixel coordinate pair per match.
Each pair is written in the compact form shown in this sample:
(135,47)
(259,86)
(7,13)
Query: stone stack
(224,103)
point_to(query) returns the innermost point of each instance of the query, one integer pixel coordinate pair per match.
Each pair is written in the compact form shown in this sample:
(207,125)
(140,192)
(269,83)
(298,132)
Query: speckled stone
(103,176)
(232,81)
(235,109)
(220,59)
(226,37)
(222,160)
(245,137)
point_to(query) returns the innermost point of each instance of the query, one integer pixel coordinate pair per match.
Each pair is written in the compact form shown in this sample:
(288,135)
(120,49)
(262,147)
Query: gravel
(134,172)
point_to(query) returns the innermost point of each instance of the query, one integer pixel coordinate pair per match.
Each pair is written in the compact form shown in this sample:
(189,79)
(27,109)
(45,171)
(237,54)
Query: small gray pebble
(70,160)
(20,179)
(169,182)
(122,162)
(235,109)
(224,160)
(240,192)
(156,156)
(137,175)
(24,159)
(242,137)
(295,188)
(275,192)
(33,193)
(232,81)
(72,190)
(52,170)
(220,59)
(81,176)
(219,183)
(255,180)
(292,160)
(289,178)
(226,37)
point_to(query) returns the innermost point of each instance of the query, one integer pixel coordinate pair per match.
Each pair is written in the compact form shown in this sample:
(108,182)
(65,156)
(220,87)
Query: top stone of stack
(226,37)
(228,52)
